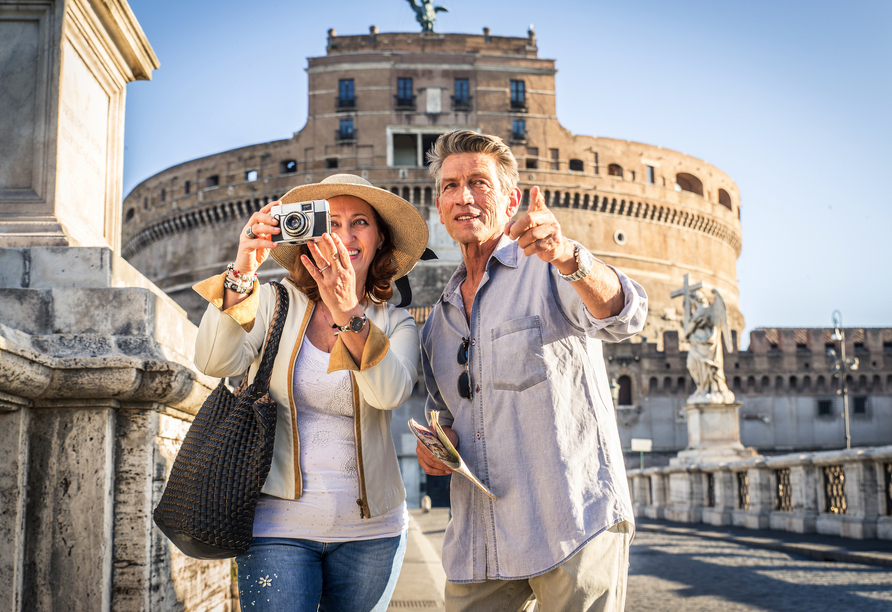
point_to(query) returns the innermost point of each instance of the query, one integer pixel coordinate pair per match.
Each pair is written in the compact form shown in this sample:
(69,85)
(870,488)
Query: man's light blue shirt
(540,430)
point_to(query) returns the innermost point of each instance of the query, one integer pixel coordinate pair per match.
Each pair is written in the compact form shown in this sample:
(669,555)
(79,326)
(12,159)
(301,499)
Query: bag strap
(271,345)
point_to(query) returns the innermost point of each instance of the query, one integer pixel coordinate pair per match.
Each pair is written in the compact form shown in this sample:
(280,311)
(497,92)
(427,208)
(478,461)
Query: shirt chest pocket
(517,360)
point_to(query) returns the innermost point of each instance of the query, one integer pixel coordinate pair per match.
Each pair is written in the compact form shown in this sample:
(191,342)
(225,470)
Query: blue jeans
(279,574)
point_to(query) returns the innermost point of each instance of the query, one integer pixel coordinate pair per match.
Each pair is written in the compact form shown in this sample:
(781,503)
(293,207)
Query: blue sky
(792,99)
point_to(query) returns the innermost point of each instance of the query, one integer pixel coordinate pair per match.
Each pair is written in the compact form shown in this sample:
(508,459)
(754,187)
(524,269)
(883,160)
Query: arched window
(765,383)
(615,170)
(428,196)
(793,383)
(129,215)
(751,384)
(406,194)
(736,383)
(667,385)
(779,383)
(682,383)
(724,199)
(689,182)
(625,390)
(821,384)
(653,385)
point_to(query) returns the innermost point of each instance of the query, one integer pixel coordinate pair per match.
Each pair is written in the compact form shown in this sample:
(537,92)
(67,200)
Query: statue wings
(718,316)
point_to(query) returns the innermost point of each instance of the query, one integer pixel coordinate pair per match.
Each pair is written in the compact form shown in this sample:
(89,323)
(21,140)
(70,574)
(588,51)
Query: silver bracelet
(239,285)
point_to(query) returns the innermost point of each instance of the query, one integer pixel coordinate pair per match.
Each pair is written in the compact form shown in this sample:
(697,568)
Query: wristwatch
(355,325)
(584,260)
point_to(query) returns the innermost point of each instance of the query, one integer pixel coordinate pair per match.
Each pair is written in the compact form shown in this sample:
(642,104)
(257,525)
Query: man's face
(471,202)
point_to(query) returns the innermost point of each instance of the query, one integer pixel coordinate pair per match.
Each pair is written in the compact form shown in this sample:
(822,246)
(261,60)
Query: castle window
(130,214)
(331,163)
(187,187)
(461,99)
(518,95)
(405,151)
(163,195)
(825,408)
(597,167)
(411,149)
(859,404)
(519,129)
(724,199)
(632,175)
(346,95)
(532,163)
(650,174)
(404,94)
(212,181)
(615,170)
(653,385)
(689,182)
(145,203)
(576,165)
(345,131)
(251,176)
(289,166)
(555,157)
(625,390)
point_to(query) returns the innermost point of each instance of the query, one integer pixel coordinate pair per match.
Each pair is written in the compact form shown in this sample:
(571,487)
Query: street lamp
(841,366)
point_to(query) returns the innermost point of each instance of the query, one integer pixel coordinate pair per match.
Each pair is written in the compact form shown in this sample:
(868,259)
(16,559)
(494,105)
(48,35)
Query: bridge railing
(845,493)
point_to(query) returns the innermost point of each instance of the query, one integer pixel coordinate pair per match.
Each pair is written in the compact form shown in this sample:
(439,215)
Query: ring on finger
(250,234)
(327,266)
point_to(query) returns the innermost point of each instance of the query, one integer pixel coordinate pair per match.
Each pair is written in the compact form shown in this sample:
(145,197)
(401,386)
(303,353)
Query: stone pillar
(724,498)
(97,388)
(686,495)
(658,502)
(713,435)
(64,65)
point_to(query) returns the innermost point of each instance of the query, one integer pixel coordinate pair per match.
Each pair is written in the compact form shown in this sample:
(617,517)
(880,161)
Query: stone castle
(378,101)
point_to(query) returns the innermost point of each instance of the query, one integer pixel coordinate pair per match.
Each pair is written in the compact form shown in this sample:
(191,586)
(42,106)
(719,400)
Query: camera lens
(295,224)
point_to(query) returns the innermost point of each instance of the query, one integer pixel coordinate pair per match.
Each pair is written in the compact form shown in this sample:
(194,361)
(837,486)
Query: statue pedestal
(713,435)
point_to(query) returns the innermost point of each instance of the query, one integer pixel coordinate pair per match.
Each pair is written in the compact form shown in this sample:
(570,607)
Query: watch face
(356,324)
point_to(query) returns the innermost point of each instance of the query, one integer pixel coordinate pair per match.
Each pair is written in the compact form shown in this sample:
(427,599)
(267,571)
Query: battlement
(432,42)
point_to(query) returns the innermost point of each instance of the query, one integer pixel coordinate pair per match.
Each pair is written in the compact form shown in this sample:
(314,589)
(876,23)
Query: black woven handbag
(207,509)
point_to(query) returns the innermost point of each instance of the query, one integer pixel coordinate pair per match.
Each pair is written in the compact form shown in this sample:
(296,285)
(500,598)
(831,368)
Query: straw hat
(408,230)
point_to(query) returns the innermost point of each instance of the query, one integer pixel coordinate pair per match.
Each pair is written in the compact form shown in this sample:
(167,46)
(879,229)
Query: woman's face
(353,220)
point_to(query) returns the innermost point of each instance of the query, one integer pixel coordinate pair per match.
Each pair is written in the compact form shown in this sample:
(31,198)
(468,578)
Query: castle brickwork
(376,104)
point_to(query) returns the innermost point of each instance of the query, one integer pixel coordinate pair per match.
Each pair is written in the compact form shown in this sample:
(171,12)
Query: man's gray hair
(466,141)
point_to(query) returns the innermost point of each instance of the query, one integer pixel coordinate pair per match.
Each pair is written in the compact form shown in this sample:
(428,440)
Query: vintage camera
(302,222)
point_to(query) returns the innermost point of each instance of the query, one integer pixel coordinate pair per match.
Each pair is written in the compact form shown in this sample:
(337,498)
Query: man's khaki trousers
(594,579)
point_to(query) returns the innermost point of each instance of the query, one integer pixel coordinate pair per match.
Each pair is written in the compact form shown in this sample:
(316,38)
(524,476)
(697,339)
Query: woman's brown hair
(378,280)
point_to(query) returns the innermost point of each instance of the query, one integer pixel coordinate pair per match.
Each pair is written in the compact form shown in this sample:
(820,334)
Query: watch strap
(584,261)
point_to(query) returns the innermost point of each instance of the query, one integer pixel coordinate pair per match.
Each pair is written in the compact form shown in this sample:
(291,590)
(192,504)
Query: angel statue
(426,13)
(705,325)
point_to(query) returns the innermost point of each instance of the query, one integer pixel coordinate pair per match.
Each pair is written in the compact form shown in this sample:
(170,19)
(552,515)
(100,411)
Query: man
(526,400)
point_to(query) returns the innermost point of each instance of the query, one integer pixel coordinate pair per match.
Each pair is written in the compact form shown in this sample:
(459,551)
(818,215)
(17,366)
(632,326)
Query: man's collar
(506,252)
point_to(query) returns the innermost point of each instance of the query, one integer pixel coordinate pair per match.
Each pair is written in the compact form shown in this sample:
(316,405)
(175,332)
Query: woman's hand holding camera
(255,241)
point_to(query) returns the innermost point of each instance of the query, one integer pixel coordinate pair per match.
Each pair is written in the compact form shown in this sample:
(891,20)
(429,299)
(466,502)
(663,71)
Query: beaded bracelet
(238,275)
(239,283)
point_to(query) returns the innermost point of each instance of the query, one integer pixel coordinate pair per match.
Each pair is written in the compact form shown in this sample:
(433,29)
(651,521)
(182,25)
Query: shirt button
(478,435)
(473,343)
(477,389)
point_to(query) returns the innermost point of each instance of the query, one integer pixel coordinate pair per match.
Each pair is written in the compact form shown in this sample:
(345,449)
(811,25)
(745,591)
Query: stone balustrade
(845,493)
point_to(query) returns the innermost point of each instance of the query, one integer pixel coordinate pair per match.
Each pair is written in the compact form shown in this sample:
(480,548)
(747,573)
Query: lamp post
(841,366)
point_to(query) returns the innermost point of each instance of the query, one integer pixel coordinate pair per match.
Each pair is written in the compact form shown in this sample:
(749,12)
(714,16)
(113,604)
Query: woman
(330,526)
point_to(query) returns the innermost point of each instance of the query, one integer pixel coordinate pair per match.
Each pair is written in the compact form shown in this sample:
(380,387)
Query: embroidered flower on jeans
(265,582)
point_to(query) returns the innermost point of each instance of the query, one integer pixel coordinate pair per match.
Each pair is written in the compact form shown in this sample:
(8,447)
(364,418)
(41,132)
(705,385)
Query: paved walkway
(685,568)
